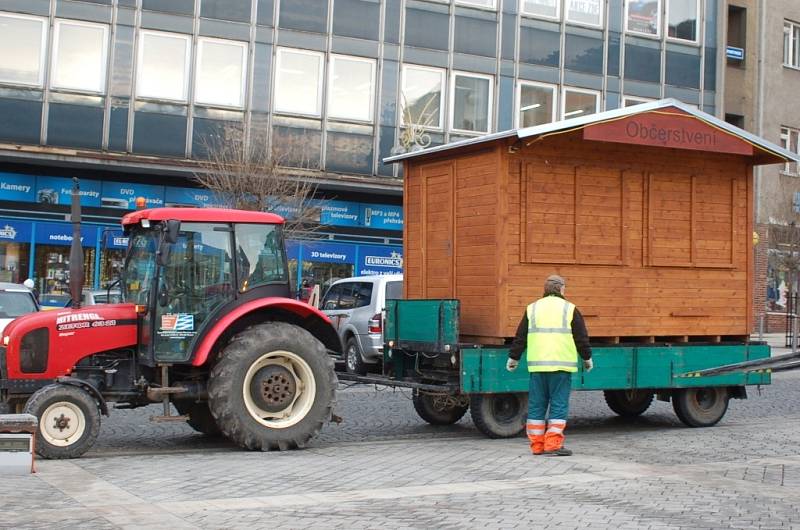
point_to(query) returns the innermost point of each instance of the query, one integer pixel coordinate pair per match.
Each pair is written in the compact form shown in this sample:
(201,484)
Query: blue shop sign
(191,197)
(61,234)
(124,195)
(114,239)
(15,231)
(374,260)
(14,187)
(340,213)
(292,250)
(329,252)
(383,216)
(58,190)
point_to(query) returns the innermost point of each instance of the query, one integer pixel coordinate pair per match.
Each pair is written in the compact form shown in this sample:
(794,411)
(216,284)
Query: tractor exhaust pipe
(76,270)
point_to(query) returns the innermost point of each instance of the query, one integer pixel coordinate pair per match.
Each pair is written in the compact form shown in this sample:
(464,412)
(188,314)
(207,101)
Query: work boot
(561,451)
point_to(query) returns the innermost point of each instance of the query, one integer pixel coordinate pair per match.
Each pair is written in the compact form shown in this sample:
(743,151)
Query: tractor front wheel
(499,415)
(200,418)
(273,387)
(69,420)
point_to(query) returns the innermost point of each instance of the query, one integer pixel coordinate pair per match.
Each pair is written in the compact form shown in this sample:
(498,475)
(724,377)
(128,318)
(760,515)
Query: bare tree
(245,174)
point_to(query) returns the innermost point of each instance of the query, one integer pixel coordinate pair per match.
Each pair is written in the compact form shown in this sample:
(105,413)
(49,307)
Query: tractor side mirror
(171,231)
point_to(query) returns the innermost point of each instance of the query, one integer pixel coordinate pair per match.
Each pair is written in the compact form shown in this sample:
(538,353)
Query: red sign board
(669,127)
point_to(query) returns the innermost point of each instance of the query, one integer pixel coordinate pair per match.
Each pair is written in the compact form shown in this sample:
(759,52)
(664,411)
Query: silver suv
(355,306)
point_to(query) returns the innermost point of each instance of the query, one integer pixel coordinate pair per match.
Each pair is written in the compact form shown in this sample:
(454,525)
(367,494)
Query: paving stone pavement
(385,468)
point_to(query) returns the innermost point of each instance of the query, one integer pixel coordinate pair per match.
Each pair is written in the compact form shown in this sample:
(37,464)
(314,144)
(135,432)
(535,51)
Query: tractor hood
(48,344)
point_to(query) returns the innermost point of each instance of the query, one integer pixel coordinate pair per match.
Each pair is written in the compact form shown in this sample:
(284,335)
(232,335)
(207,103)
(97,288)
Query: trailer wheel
(700,407)
(69,420)
(272,387)
(438,409)
(200,418)
(628,403)
(499,415)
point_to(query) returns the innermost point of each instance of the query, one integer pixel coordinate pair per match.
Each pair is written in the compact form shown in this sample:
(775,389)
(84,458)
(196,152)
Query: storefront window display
(15,237)
(51,261)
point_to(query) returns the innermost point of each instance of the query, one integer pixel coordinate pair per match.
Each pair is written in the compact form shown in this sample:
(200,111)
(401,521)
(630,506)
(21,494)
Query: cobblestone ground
(384,467)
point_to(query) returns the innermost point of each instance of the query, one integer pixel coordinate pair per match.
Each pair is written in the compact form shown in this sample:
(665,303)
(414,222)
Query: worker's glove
(588,365)
(511,364)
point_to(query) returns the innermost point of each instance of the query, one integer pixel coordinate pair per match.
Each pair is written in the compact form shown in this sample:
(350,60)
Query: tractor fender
(313,320)
(87,386)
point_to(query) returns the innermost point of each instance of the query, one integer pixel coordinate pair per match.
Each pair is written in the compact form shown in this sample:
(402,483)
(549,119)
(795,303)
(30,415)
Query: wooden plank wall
(653,242)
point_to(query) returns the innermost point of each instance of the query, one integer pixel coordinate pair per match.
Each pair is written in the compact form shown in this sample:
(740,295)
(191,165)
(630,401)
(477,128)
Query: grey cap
(553,284)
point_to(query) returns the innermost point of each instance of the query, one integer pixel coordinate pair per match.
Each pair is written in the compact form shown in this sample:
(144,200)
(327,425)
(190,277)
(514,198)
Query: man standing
(553,332)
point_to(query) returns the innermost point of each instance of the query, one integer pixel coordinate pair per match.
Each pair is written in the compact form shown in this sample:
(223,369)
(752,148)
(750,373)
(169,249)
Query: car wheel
(352,357)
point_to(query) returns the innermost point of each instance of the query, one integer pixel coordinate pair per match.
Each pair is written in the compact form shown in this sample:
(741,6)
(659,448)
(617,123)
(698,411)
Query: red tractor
(206,324)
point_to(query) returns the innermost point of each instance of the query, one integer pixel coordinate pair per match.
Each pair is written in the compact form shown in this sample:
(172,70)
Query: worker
(553,332)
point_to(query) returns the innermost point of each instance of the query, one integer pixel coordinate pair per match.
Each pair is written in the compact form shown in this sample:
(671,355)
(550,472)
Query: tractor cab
(187,267)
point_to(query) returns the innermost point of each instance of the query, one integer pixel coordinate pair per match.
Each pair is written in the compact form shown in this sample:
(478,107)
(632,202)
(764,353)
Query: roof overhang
(667,123)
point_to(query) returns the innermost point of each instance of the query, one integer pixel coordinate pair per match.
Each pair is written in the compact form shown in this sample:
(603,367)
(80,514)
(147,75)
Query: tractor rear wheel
(499,415)
(200,418)
(438,409)
(700,407)
(628,403)
(69,420)
(273,387)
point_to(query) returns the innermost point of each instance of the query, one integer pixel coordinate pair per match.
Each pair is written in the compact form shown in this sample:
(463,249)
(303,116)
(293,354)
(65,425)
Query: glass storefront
(51,268)
(14,262)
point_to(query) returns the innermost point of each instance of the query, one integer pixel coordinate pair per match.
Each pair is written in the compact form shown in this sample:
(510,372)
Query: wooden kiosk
(646,211)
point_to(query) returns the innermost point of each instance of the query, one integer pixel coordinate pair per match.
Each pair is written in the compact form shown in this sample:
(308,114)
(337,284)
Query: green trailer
(422,351)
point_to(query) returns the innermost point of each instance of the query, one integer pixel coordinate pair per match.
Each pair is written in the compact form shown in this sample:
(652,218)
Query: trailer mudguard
(311,318)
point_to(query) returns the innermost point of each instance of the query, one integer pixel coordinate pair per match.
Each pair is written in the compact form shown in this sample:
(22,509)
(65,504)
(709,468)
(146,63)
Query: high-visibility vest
(550,344)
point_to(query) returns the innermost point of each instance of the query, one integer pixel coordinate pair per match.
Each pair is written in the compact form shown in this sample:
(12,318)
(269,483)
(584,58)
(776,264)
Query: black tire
(67,407)
(628,403)
(261,354)
(499,415)
(700,407)
(435,412)
(200,418)
(353,361)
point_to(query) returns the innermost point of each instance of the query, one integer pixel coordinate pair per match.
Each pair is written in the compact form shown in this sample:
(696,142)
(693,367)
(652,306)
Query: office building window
(79,56)
(22,46)
(576,103)
(791,44)
(643,17)
(421,98)
(221,67)
(536,104)
(471,102)
(589,12)
(629,101)
(789,141)
(541,8)
(351,88)
(162,72)
(682,17)
(488,4)
(298,82)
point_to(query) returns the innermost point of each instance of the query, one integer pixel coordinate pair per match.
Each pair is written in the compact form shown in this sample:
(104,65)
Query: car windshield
(54,300)
(14,304)
(140,266)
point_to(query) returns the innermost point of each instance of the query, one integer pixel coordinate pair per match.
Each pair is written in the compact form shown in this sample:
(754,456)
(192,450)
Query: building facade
(126,93)
(762,77)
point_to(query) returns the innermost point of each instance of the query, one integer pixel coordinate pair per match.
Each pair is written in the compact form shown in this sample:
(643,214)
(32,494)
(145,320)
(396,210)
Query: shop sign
(15,231)
(61,234)
(191,197)
(124,195)
(382,216)
(669,127)
(58,190)
(379,260)
(323,252)
(292,250)
(15,187)
(115,239)
(340,213)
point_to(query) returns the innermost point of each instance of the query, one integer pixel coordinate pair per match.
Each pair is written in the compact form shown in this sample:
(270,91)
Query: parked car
(100,296)
(15,300)
(54,301)
(355,306)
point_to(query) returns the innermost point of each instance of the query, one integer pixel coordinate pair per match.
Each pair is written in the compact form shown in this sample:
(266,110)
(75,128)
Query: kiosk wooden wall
(655,243)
